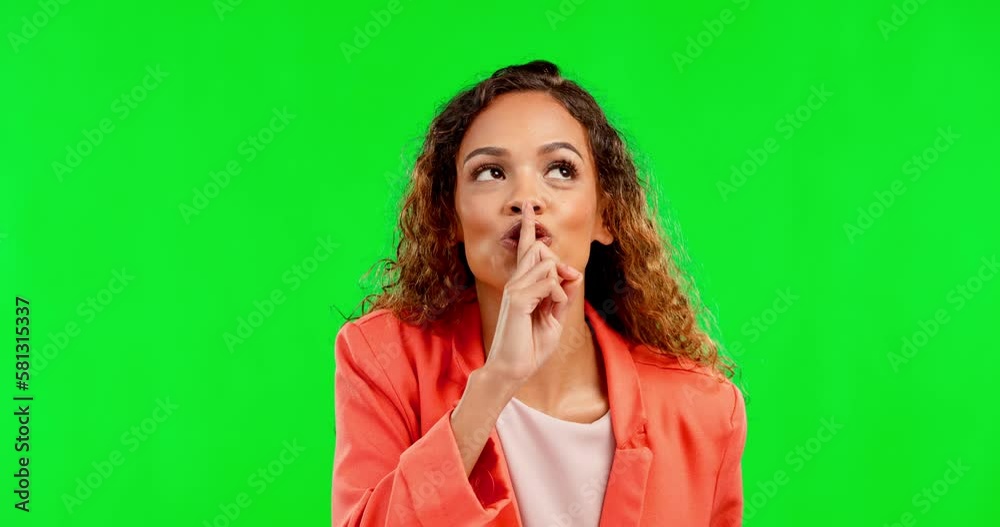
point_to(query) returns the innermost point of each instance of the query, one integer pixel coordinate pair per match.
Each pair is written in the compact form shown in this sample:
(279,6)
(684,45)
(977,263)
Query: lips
(513,234)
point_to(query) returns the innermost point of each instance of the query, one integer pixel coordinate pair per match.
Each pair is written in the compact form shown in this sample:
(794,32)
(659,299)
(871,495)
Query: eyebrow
(502,152)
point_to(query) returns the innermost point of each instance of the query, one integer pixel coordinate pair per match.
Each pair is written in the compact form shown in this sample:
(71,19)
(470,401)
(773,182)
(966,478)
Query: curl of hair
(635,282)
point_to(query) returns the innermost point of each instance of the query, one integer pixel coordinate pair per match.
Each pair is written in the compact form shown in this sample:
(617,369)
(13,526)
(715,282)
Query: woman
(534,360)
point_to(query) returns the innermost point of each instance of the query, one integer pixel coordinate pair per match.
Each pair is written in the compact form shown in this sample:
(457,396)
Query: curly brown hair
(635,282)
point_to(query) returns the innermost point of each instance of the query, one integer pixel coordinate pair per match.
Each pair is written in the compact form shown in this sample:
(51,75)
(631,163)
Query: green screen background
(811,309)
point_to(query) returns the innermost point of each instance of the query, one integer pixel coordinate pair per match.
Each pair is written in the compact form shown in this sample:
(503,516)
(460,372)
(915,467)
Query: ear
(601,232)
(602,235)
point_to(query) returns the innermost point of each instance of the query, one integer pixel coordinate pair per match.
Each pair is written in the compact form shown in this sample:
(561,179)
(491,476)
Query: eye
(565,169)
(491,170)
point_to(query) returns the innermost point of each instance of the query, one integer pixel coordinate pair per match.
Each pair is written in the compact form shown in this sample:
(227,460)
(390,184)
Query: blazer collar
(628,413)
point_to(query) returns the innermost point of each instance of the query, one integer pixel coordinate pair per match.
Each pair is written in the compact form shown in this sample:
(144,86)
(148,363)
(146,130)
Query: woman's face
(525,146)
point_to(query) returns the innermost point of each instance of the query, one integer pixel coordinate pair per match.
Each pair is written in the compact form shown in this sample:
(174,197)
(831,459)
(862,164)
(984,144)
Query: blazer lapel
(626,490)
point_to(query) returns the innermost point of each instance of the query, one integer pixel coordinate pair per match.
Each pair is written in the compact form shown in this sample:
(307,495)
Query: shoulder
(684,388)
(377,322)
(397,346)
(384,322)
(380,332)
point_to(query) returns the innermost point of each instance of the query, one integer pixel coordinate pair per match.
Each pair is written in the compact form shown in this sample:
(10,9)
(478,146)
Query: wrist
(497,380)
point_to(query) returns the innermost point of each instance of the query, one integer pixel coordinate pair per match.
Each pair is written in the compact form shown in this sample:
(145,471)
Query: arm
(485,396)
(727,507)
(381,476)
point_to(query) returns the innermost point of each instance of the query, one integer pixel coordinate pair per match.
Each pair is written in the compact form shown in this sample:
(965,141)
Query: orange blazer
(679,432)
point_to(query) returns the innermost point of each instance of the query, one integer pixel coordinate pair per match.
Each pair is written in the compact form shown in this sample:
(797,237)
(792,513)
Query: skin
(570,385)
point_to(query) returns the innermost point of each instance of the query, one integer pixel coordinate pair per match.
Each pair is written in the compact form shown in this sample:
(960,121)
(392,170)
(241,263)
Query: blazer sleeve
(381,476)
(727,507)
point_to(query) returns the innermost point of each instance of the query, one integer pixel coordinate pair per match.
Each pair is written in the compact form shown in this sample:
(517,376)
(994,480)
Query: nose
(526,190)
(517,206)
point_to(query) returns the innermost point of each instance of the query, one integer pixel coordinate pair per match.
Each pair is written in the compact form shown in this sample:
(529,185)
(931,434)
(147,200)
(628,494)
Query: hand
(533,308)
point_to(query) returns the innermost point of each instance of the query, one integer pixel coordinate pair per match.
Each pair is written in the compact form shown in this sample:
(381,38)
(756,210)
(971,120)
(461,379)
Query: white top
(559,469)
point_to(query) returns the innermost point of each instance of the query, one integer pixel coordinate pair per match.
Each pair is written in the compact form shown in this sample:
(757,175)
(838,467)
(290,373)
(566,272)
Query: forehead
(522,121)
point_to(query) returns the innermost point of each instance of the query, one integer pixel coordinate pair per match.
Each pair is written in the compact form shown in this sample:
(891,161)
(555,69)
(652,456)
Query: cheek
(489,262)
(472,218)
(477,235)
(473,228)
(581,215)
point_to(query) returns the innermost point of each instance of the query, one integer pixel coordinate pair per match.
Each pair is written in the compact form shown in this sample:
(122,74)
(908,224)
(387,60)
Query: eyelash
(565,163)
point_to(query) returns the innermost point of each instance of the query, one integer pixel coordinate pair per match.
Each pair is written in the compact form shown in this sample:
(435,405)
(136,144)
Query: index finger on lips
(527,238)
